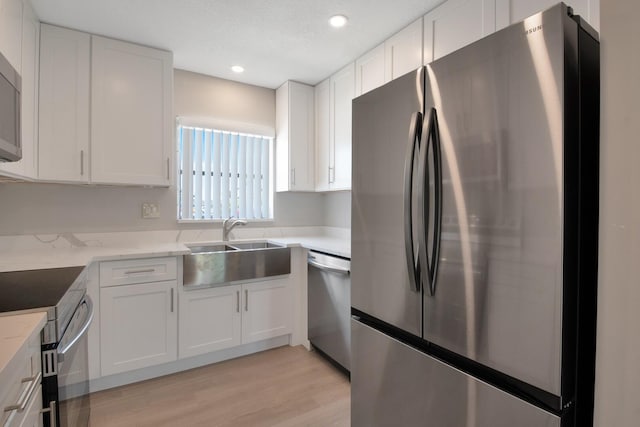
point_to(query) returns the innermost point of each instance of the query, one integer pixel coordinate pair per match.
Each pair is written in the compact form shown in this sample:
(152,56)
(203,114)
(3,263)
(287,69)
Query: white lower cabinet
(213,319)
(210,320)
(138,326)
(33,413)
(267,310)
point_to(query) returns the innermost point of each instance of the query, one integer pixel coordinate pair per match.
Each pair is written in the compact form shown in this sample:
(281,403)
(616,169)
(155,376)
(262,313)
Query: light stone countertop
(41,257)
(15,332)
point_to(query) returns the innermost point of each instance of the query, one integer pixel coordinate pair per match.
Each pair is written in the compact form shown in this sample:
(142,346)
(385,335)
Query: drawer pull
(149,270)
(26,397)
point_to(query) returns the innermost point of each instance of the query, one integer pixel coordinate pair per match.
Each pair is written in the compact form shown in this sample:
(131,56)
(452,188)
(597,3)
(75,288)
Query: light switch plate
(150,210)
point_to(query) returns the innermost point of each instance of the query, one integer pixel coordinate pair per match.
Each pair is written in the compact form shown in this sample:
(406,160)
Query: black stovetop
(25,290)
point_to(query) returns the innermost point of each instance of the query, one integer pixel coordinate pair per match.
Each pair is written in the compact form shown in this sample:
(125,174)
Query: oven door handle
(83,329)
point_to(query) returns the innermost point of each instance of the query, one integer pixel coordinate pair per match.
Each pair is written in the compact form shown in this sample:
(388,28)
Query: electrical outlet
(150,210)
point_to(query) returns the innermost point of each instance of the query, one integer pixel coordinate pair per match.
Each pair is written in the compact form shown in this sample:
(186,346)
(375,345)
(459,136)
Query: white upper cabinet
(455,24)
(512,11)
(105,110)
(403,51)
(294,137)
(341,97)
(323,137)
(63,152)
(11,31)
(333,132)
(30,40)
(131,107)
(370,70)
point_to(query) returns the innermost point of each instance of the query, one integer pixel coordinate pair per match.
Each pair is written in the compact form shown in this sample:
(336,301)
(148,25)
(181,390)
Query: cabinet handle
(332,175)
(149,270)
(246,300)
(172,300)
(53,421)
(293,176)
(237,301)
(22,404)
(81,162)
(168,168)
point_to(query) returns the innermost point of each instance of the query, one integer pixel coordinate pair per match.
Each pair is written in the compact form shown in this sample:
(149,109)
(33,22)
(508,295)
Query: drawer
(132,271)
(21,385)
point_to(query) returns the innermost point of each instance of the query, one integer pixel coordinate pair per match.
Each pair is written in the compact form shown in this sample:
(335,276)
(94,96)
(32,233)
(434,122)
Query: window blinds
(223,174)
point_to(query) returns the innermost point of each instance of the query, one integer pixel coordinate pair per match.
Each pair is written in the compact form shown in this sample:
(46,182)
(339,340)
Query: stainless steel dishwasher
(329,301)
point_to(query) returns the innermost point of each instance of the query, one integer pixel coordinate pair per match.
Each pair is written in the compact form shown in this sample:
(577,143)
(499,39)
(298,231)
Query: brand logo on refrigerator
(532,30)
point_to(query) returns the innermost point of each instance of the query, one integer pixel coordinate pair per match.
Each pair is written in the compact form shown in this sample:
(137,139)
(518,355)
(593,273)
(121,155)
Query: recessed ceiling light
(237,69)
(338,21)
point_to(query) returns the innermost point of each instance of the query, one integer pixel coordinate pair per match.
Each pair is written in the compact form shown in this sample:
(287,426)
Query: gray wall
(337,209)
(618,348)
(53,208)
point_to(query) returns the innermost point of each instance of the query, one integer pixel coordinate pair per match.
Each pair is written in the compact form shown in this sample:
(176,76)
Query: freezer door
(393,384)
(498,296)
(382,122)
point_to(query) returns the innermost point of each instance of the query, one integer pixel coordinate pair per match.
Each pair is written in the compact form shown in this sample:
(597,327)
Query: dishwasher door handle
(331,268)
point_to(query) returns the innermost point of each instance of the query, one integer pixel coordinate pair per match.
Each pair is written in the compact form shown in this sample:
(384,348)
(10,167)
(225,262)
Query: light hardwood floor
(286,386)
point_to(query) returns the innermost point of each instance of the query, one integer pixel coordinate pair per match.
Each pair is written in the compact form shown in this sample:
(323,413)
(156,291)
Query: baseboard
(117,380)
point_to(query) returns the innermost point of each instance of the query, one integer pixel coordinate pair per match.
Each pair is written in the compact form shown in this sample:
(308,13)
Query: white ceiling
(274,40)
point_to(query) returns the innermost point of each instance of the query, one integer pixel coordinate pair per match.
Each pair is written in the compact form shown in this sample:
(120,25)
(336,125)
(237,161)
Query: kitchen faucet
(229,224)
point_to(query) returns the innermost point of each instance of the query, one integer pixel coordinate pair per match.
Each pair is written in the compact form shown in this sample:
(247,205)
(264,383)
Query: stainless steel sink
(254,245)
(220,264)
(210,248)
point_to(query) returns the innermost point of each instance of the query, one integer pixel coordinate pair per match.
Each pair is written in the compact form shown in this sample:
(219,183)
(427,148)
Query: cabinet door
(342,91)
(455,24)
(30,53)
(64,105)
(131,105)
(267,310)
(370,70)
(33,414)
(10,31)
(511,11)
(403,51)
(301,129)
(138,326)
(323,140)
(210,320)
(294,137)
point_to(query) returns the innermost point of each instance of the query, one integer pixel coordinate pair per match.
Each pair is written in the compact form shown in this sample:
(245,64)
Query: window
(224,174)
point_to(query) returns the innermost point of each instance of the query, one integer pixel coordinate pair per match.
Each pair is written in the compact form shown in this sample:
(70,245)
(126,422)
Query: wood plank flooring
(284,387)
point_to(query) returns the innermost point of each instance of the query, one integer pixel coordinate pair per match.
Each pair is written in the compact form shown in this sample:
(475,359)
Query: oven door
(73,368)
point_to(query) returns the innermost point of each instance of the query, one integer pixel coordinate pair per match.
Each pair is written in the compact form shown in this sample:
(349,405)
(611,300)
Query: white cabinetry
(455,24)
(403,51)
(512,11)
(323,134)
(267,310)
(64,105)
(11,31)
(139,320)
(30,40)
(333,133)
(131,105)
(294,137)
(217,318)
(125,111)
(21,374)
(210,320)
(370,69)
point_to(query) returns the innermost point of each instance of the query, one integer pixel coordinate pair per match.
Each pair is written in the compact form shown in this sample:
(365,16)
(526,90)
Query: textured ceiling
(274,40)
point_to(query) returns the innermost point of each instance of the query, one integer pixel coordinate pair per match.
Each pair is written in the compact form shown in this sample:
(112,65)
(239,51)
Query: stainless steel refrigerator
(474,234)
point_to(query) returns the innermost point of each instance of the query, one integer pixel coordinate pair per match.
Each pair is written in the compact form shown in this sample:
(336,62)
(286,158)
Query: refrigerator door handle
(429,263)
(437,226)
(415,131)
(423,205)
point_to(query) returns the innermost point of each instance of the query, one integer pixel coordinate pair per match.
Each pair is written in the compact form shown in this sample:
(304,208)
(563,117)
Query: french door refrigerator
(474,234)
